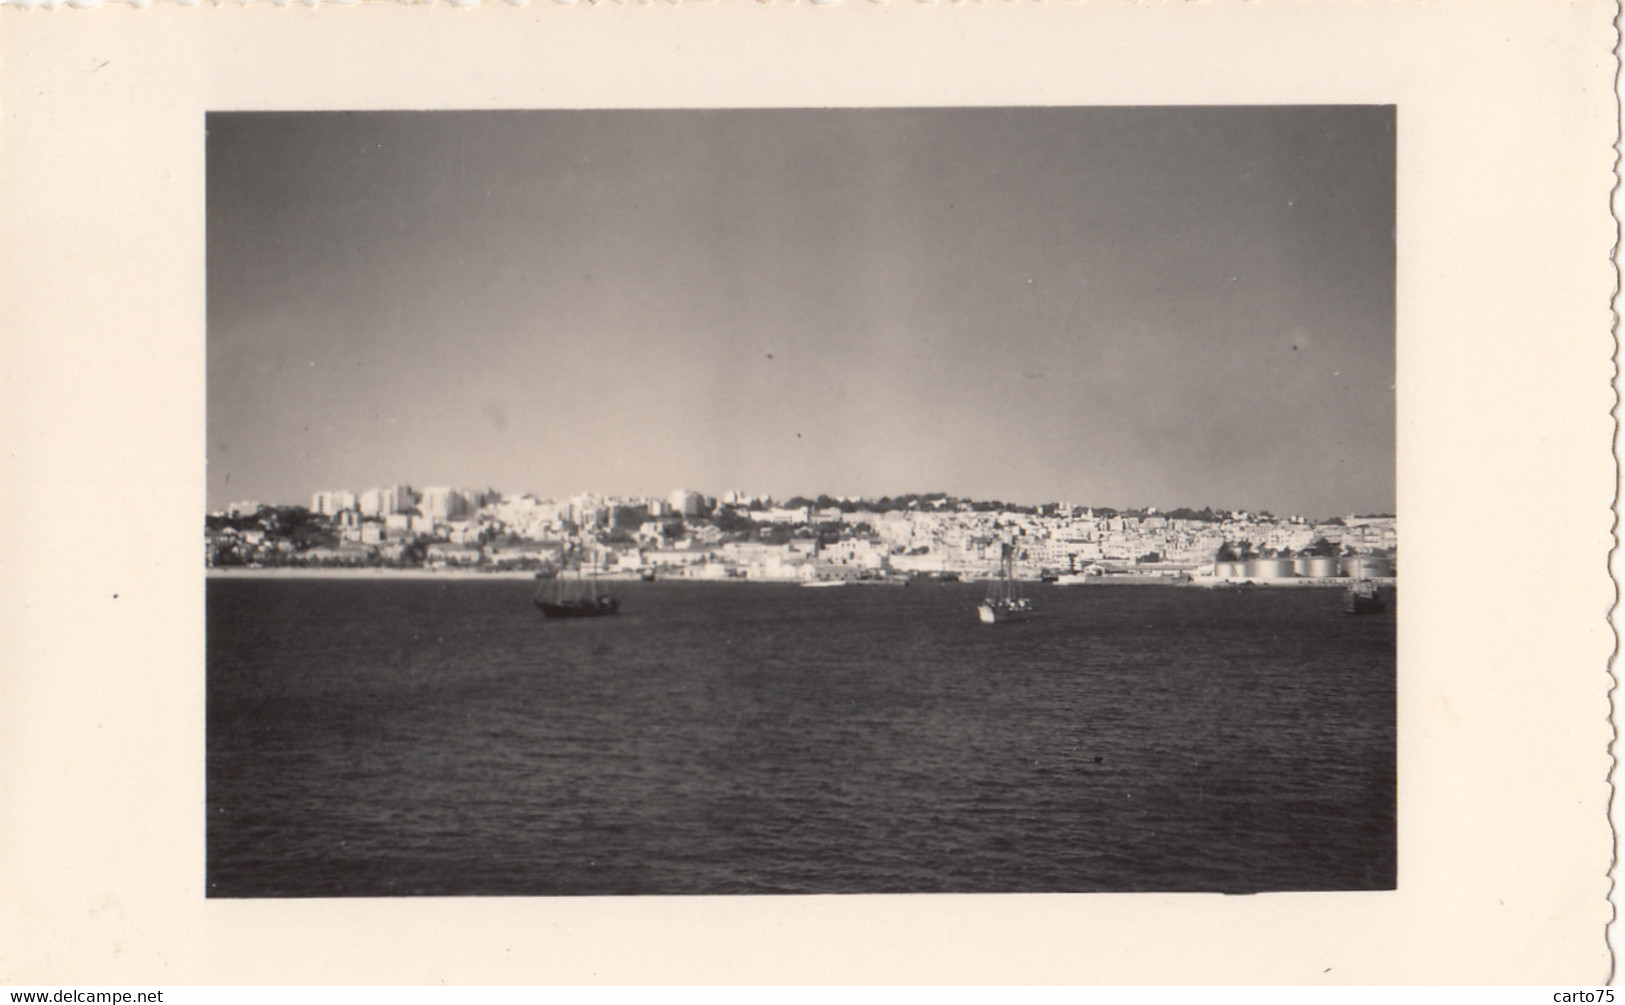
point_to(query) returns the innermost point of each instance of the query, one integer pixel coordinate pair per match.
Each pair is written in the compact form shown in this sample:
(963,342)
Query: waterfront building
(675,558)
(441,554)
(524,553)
(857,551)
(629,560)
(345,554)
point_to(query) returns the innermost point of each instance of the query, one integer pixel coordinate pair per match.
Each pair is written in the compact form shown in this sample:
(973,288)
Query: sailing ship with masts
(1004,601)
(577,596)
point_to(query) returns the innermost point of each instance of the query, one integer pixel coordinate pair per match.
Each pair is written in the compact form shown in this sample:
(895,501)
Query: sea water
(422,737)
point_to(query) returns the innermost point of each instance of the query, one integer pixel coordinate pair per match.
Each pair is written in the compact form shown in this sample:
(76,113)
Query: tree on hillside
(1204,515)
(1322,548)
(732,520)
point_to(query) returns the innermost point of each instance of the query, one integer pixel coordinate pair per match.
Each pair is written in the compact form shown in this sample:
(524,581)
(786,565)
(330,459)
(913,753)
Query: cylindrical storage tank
(1225,570)
(1382,567)
(1318,567)
(1300,565)
(1270,568)
(1368,566)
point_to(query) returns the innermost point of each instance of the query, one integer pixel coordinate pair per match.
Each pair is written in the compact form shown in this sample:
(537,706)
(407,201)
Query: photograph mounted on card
(810,495)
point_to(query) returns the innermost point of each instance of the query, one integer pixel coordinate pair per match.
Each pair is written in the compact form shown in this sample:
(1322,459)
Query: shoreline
(297,572)
(309,572)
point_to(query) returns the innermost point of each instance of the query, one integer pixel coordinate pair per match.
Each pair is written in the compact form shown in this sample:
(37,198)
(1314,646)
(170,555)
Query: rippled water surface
(396,737)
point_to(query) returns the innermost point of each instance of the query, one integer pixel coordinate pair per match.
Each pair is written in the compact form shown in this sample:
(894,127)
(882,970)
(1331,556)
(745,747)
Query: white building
(687,502)
(787,517)
(383,502)
(332,503)
(444,503)
(400,499)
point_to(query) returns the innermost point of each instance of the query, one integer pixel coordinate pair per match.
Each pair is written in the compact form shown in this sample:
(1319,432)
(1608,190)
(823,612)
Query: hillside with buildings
(736,536)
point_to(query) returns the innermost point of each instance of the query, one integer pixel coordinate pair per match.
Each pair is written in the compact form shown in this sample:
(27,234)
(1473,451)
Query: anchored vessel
(575,597)
(1004,600)
(1365,597)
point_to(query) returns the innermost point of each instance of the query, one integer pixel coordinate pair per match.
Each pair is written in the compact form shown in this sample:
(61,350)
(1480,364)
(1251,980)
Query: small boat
(1365,597)
(580,607)
(575,598)
(817,583)
(1004,600)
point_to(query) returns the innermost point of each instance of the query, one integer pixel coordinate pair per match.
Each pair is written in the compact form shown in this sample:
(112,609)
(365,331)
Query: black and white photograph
(789,501)
(581,495)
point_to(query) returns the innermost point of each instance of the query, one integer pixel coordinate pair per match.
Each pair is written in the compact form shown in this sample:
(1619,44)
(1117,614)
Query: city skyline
(1117,307)
(732,497)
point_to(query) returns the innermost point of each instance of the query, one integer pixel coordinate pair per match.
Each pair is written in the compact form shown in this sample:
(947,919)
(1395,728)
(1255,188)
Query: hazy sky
(1107,306)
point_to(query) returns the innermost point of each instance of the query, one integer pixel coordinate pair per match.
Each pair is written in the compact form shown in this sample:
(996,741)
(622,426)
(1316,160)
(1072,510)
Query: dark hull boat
(585,607)
(575,598)
(1365,598)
